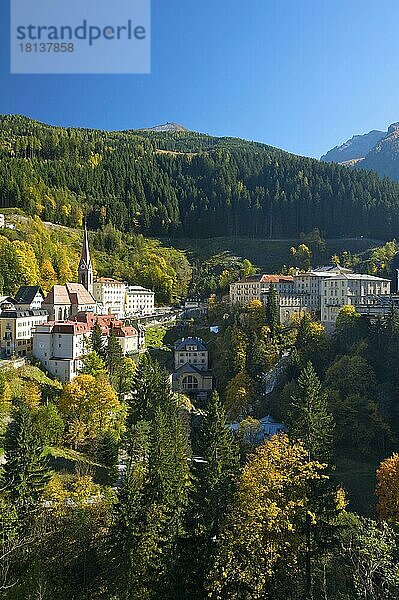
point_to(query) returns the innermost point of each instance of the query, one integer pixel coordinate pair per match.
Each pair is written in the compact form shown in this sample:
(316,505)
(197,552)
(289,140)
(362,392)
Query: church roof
(80,293)
(70,293)
(57,295)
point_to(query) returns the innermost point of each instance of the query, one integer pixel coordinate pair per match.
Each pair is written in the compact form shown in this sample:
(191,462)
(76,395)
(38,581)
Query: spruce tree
(150,389)
(152,505)
(309,418)
(168,489)
(214,476)
(26,471)
(97,340)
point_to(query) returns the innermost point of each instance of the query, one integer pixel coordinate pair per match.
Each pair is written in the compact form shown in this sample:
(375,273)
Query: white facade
(16,330)
(139,301)
(36,303)
(60,348)
(351,289)
(309,286)
(192,351)
(129,344)
(254,286)
(110,295)
(29,298)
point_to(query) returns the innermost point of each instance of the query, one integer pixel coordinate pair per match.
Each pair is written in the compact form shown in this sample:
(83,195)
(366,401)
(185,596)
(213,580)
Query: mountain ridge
(376,151)
(183,184)
(357,147)
(166,127)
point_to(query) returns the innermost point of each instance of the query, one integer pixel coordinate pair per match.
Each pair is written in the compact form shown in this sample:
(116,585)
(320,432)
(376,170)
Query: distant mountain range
(376,150)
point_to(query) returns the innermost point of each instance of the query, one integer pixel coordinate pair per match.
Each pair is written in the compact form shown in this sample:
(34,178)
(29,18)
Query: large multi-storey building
(29,297)
(110,296)
(61,346)
(16,330)
(349,289)
(191,374)
(18,317)
(139,301)
(254,286)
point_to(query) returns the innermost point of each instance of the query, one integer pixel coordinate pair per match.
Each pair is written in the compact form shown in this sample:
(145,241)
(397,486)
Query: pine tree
(309,418)
(26,470)
(152,506)
(216,476)
(132,549)
(168,488)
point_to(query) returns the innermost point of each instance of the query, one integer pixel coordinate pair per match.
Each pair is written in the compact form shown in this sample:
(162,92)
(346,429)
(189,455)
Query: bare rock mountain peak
(166,127)
(376,151)
(354,149)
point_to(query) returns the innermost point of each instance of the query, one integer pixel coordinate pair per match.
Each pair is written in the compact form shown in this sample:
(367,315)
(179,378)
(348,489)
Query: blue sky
(302,75)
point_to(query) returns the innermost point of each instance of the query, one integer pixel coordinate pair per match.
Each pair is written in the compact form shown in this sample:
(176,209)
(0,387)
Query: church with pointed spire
(85,270)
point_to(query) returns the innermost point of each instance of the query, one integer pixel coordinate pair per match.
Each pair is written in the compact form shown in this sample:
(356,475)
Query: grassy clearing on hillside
(67,461)
(268,255)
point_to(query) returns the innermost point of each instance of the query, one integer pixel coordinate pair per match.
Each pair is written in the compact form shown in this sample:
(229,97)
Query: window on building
(190,383)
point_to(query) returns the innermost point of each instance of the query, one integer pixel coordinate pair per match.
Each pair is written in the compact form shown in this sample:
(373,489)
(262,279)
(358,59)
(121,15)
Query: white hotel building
(116,298)
(110,296)
(349,289)
(139,301)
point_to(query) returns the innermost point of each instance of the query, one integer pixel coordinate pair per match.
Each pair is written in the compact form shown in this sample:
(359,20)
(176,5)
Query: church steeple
(85,266)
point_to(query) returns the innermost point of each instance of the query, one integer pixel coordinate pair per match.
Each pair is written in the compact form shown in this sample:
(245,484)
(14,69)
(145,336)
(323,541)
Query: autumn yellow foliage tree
(48,275)
(18,265)
(239,396)
(238,349)
(254,315)
(388,489)
(90,406)
(264,528)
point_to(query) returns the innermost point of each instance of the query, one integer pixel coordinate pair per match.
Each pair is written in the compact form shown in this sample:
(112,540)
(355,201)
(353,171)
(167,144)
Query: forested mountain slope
(185,184)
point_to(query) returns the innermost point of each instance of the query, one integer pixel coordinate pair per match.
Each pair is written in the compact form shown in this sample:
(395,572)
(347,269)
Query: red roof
(106,322)
(125,332)
(71,328)
(276,278)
